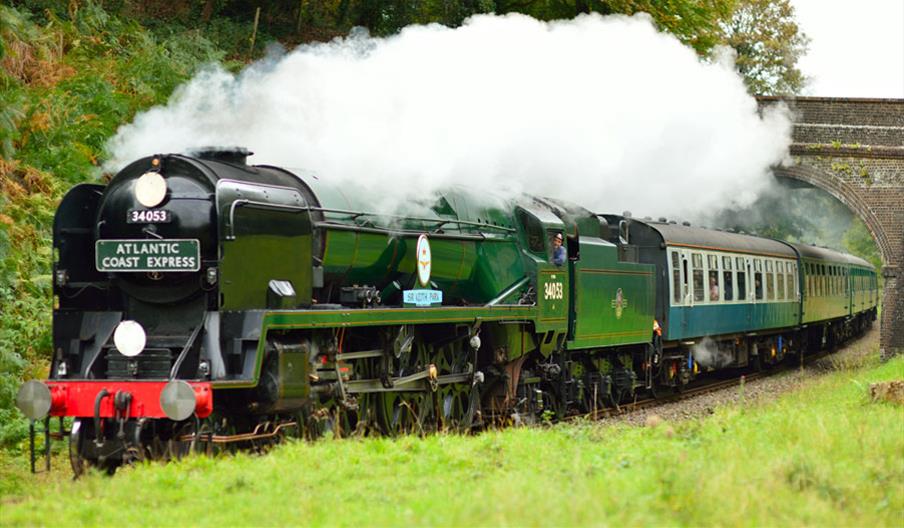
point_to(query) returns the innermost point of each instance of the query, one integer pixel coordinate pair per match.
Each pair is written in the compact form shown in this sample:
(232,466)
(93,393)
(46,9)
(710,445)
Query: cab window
(533,231)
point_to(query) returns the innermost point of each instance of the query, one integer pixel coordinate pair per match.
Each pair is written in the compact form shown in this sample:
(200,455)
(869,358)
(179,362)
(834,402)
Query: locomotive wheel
(76,438)
(83,433)
(454,401)
(594,398)
(177,449)
(396,414)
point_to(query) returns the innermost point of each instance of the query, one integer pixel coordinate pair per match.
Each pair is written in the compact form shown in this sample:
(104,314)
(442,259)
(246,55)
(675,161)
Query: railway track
(697,390)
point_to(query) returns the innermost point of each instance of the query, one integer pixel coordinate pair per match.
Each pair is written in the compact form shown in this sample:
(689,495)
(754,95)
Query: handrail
(188,344)
(386,230)
(439,221)
(508,291)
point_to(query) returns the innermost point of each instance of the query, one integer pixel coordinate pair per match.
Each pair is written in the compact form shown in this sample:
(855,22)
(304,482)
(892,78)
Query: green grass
(823,455)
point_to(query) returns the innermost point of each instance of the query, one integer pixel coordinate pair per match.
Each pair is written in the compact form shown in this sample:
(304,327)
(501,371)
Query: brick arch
(854,150)
(847,195)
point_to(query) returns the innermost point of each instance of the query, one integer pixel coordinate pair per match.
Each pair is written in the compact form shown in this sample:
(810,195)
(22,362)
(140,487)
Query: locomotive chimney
(235,155)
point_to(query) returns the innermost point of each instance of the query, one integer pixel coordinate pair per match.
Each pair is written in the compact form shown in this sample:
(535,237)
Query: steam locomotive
(202,301)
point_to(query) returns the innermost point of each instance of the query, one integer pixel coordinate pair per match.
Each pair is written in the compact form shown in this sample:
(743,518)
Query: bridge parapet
(843,111)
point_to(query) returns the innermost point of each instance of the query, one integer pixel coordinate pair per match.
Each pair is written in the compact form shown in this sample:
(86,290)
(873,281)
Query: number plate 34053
(148,216)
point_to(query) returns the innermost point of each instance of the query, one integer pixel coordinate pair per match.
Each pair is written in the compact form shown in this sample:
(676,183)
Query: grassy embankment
(823,455)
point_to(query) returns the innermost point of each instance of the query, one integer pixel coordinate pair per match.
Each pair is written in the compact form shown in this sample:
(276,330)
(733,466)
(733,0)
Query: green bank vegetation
(824,455)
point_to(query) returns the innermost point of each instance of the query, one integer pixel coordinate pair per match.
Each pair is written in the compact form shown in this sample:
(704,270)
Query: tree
(697,23)
(858,241)
(768,43)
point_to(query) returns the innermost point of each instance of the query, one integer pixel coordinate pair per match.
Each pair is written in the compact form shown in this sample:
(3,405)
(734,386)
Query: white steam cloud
(708,354)
(603,111)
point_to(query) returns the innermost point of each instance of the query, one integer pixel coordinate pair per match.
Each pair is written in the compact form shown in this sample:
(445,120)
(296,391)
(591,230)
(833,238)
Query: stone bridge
(854,150)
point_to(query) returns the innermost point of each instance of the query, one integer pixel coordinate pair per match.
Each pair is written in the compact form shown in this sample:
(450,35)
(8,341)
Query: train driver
(558,251)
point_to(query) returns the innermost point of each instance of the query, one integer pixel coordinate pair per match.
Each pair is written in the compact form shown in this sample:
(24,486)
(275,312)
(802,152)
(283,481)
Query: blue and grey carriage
(727,299)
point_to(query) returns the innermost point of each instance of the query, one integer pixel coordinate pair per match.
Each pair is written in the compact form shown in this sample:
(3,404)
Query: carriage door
(686,291)
(751,289)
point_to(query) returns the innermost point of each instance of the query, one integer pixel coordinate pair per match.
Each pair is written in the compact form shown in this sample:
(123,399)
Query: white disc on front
(177,399)
(129,338)
(150,189)
(424,259)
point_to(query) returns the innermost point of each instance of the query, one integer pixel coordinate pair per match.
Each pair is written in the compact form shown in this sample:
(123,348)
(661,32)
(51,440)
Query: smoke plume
(603,111)
(708,354)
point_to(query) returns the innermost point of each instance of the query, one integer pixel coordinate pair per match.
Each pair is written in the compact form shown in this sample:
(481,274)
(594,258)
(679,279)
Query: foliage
(763,33)
(858,241)
(811,216)
(822,455)
(68,78)
(768,43)
(695,23)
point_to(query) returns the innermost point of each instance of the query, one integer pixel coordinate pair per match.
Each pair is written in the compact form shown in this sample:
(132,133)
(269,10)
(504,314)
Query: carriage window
(823,283)
(770,284)
(713,277)
(789,278)
(780,285)
(742,279)
(698,277)
(816,289)
(728,282)
(758,279)
(809,273)
(676,277)
(727,279)
(792,281)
